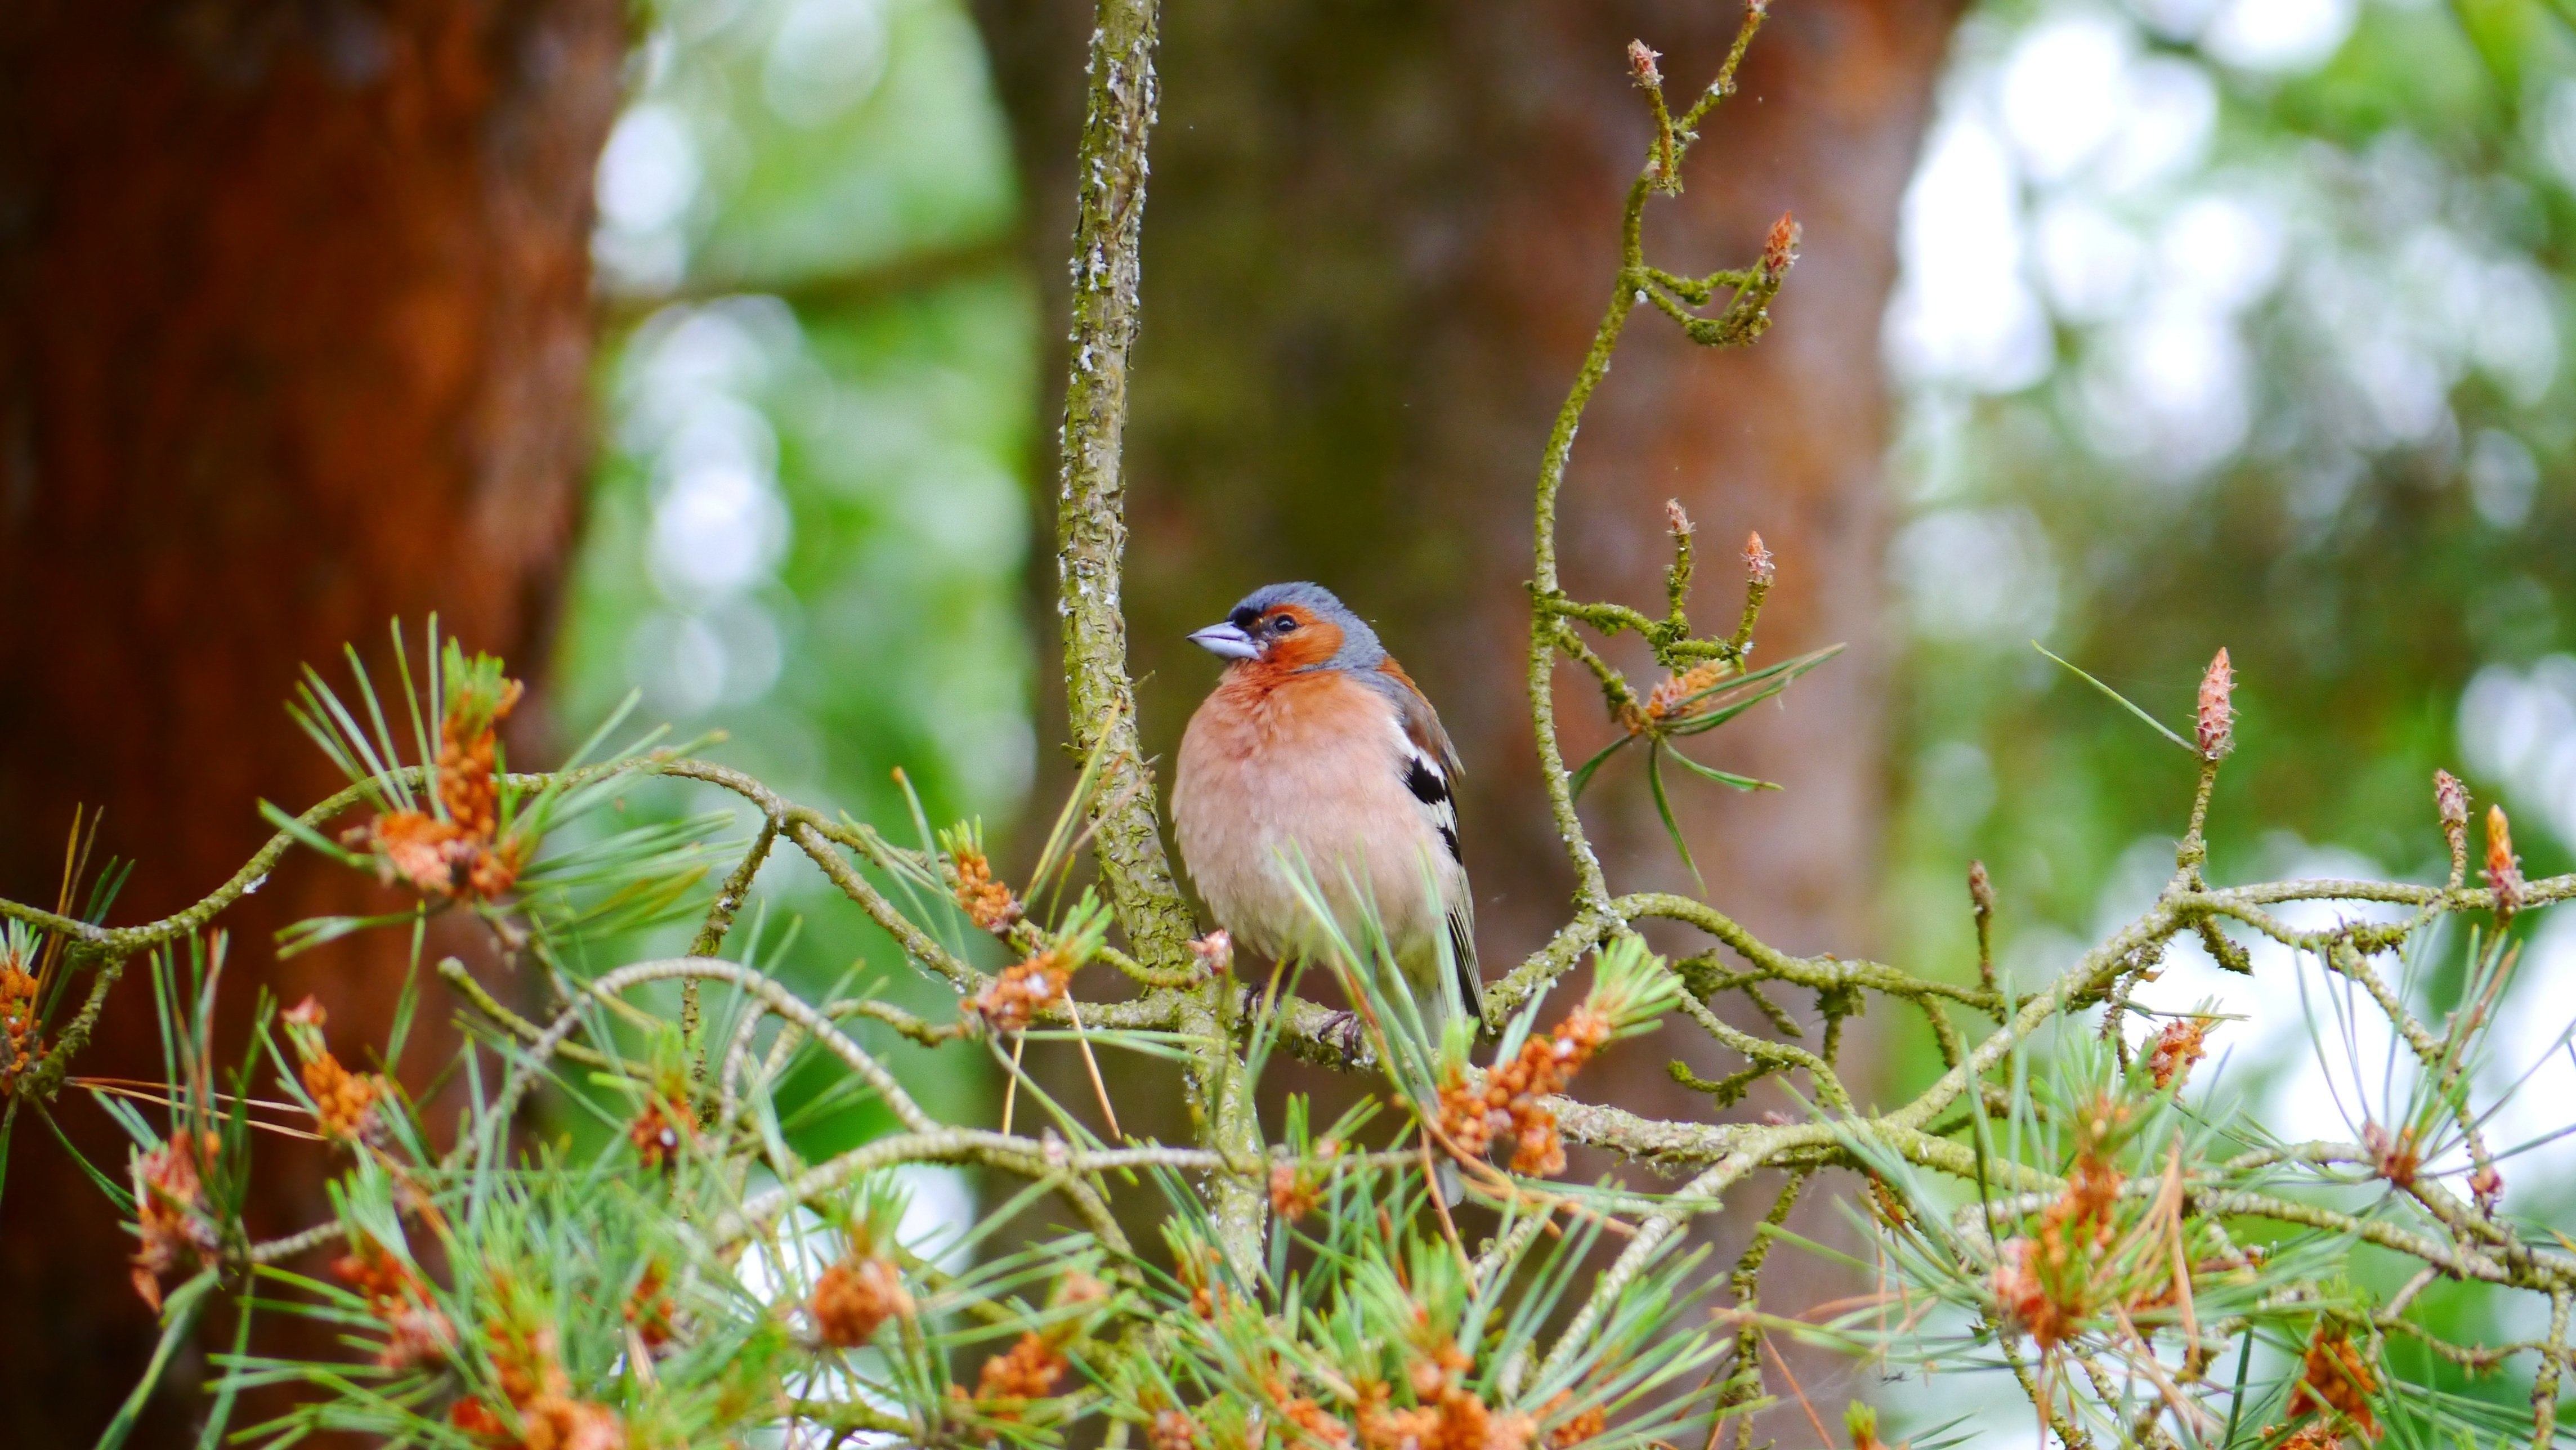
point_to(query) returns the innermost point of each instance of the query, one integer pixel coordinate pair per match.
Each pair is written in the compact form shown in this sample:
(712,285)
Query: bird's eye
(1283,624)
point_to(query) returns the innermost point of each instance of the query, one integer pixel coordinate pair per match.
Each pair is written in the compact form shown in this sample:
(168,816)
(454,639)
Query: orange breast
(1305,767)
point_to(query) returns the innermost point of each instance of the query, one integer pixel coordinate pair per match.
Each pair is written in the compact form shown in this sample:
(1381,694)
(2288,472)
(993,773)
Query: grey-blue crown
(1360,648)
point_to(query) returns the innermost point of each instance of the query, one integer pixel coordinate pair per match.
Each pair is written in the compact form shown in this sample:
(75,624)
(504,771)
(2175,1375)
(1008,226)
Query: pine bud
(1862,1422)
(2487,1187)
(1780,248)
(1215,952)
(2217,709)
(2181,1044)
(2504,869)
(1641,64)
(1676,522)
(1757,561)
(854,1297)
(2451,799)
(1981,890)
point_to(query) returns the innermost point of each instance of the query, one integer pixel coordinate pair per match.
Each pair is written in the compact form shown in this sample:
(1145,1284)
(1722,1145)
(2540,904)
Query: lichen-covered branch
(2098,1260)
(1110,171)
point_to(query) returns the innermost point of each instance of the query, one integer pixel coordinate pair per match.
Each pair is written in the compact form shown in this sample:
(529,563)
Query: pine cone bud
(1641,64)
(2451,800)
(2217,709)
(854,1297)
(2181,1044)
(2487,1187)
(2504,869)
(1215,952)
(1780,248)
(1757,561)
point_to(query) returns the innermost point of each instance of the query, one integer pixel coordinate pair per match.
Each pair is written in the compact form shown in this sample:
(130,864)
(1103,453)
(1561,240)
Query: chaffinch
(1317,743)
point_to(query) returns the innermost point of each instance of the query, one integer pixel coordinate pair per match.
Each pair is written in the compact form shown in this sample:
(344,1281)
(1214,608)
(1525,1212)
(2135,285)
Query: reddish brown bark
(294,338)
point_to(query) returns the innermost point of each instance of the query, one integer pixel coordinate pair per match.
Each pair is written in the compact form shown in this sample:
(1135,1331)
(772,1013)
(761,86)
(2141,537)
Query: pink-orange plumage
(1317,747)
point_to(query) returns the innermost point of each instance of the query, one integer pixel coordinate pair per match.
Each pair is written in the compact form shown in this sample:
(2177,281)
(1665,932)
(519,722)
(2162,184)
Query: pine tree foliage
(2068,1206)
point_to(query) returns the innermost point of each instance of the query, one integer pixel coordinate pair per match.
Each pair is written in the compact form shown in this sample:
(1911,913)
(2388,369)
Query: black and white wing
(1431,771)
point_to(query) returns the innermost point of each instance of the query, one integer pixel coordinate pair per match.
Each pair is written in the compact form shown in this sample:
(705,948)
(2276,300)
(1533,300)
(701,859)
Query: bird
(1316,746)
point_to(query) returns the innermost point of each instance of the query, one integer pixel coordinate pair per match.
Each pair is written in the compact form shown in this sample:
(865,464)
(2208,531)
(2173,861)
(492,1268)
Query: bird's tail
(1456,991)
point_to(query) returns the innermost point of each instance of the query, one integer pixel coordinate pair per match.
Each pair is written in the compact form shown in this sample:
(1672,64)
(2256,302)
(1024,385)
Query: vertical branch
(1592,887)
(1634,286)
(710,940)
(1091,522)
(2544,1382)
(1745,1385)
(1110,170)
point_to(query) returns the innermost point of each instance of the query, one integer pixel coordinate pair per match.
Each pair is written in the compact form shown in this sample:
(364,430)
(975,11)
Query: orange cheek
(1313,644)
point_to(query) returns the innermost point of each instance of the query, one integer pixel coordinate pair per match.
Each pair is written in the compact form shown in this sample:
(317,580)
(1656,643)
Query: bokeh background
(703,348)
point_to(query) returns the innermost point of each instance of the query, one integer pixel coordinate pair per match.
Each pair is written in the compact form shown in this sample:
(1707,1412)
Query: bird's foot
(1343,1028)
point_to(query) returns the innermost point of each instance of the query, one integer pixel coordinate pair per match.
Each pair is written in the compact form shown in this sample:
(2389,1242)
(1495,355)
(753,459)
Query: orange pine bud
(2177,1048)
(1757,561)
(854,1297)
(649,1308)
(172,1227)
(2333,1376)
(986,901)
(1780,248)
(2487,1187)
(417,1332)
(2504,869)
(1028,1370)
(662,1129)
(2399,1156)
(1578,1426)
(1023,990)
(22,1045)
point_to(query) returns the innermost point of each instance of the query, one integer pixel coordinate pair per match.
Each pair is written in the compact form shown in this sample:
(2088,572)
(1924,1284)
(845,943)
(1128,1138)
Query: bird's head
(1293,627)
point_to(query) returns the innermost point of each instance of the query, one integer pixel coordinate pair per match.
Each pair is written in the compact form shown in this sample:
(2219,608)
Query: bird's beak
(1226,640)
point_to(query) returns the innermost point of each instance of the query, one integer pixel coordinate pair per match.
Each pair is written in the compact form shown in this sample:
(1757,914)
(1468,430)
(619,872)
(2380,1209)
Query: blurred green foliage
(2270,359)
(2243,324)
(809,526)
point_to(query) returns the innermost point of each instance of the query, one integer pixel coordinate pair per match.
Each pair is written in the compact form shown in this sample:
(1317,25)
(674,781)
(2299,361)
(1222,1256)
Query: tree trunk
(1378,241)
(294,338)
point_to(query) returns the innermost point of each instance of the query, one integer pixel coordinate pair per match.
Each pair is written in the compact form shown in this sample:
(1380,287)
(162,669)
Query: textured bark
(1379,240)
(294,338)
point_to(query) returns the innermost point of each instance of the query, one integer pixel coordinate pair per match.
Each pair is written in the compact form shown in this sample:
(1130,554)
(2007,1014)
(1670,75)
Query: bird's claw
(1343,1027)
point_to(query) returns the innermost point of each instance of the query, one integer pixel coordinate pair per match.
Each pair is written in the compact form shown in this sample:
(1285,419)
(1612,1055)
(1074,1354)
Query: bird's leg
(1344,1027)
(1256,991)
